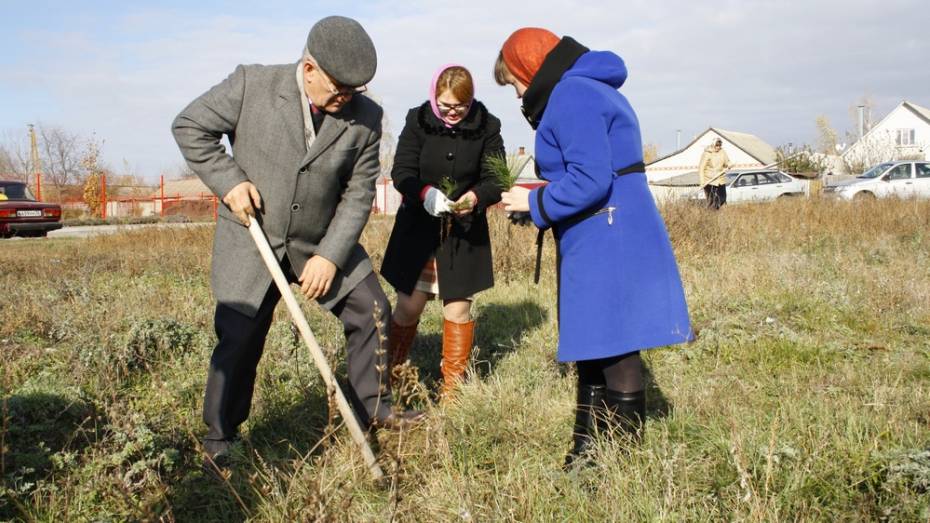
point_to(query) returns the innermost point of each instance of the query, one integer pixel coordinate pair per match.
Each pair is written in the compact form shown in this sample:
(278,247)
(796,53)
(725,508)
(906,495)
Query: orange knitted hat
(525,51)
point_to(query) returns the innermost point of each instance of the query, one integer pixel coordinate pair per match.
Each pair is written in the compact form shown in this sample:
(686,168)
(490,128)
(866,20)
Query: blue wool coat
(619,289)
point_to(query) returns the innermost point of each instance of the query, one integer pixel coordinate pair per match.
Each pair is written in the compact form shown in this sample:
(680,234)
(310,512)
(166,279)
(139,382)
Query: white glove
(435,202)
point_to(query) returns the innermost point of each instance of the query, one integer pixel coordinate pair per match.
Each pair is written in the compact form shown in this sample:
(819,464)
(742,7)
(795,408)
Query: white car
(760,185)
(910,179)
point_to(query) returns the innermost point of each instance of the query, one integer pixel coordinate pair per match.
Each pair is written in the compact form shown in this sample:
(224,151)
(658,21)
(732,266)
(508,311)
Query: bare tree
(61,153)
(180,172)
(868,106)
(650,152)
(16,162)
(878,148)
(128,181)
(798,159)
(388,143)
(826,136)
(388,147)
(875,149)
(7,167)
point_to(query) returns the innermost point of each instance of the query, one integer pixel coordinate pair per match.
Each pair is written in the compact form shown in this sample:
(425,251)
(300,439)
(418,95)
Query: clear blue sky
(123,70)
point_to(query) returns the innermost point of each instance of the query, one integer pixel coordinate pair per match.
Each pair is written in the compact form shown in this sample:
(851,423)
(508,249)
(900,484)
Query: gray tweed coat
(315,201)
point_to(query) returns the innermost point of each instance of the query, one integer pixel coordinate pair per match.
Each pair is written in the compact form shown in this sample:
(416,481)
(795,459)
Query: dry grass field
(806,396)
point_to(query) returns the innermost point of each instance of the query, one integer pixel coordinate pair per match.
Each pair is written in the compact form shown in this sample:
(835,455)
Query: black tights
(619,373)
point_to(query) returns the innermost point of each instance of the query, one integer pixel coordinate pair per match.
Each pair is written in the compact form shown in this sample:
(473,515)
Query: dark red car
(22,215)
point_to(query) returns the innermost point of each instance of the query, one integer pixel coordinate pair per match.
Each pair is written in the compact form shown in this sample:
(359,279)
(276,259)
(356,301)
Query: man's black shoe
(400,420)
(217,459)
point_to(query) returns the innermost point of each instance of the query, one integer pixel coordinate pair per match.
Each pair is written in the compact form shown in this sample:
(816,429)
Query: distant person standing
(714,162)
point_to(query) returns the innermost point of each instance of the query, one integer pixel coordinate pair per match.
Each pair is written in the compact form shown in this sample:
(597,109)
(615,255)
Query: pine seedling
(448,187)
(504,169)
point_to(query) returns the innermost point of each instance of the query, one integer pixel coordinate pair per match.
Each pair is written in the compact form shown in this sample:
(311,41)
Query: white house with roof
(903,134)
(525,165)
(671,176)
(387,198)
(189,188)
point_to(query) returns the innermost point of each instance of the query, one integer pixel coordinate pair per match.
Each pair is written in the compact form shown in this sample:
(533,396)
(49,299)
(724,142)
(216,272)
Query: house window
(904,137)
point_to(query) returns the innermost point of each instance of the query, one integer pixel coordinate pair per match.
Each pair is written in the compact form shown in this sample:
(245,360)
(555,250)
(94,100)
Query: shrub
(142,345)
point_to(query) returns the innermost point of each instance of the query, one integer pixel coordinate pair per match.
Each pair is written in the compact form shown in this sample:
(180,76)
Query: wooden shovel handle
(318,358)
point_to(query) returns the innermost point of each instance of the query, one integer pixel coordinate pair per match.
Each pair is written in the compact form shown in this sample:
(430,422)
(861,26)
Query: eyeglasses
(445,108)
(345,92)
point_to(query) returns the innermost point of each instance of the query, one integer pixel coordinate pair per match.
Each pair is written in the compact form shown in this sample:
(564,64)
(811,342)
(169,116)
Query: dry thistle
(381,353)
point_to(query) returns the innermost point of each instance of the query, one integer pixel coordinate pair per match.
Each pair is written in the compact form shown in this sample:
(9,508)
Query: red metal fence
(156,203)
(159,202)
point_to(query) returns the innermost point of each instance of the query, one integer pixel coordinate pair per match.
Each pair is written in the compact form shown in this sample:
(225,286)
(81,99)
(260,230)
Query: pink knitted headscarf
(433,94)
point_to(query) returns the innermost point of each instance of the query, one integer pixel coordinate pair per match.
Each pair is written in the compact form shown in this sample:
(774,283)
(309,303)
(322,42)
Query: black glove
(520,218)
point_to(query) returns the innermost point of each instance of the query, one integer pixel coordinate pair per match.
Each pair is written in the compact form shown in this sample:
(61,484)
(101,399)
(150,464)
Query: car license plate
(28,214)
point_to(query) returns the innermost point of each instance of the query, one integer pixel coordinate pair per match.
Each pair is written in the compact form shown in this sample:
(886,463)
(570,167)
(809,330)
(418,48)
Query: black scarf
(560,59)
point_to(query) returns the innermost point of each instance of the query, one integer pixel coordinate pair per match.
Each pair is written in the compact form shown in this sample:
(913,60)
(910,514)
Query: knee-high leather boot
(588,409)
(457,340)
(625,412)
(399,342)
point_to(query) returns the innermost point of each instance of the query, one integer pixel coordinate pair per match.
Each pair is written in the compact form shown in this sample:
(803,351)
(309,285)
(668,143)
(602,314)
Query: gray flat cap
(344,50)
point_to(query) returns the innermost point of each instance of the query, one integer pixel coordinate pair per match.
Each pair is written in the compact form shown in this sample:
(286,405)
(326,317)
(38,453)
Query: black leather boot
(588,408)
(624,412)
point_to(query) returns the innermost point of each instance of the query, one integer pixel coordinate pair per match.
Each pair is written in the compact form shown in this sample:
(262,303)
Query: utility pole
(36,162)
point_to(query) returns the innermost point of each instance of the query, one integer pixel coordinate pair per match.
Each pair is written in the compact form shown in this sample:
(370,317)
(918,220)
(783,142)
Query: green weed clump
(804,397)
(40,427)
(144,344)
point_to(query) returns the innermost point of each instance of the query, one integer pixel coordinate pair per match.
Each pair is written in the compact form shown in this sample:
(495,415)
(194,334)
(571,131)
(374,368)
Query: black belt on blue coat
(637,167)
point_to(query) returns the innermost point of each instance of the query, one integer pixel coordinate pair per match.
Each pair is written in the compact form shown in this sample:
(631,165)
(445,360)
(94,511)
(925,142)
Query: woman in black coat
(440,244)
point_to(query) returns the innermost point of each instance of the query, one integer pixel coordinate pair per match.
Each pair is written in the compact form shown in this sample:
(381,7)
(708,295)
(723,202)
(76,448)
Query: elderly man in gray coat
(304,162)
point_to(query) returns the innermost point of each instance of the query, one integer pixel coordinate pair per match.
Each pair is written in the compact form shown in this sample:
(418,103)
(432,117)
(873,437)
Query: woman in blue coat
(619,287)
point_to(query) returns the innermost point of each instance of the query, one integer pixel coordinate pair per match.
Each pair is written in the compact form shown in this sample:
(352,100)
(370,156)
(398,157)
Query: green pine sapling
(504,169)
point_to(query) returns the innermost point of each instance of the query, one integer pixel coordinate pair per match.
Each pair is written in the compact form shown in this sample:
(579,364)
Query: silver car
(903,179)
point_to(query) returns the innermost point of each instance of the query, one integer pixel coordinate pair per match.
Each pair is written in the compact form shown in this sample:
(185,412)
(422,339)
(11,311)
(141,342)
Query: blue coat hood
(604,66)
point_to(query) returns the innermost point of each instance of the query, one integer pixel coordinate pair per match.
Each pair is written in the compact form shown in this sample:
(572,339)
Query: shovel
(701,186)
(321,364)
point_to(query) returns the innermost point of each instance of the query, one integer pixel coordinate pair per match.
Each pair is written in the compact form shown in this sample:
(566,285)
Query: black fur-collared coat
(427,153)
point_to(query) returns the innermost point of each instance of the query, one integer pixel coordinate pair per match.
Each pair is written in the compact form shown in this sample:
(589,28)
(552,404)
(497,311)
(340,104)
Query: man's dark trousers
(231,378)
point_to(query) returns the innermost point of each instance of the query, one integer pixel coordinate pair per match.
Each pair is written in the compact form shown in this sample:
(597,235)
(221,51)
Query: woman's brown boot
(399,342)
(457,339)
